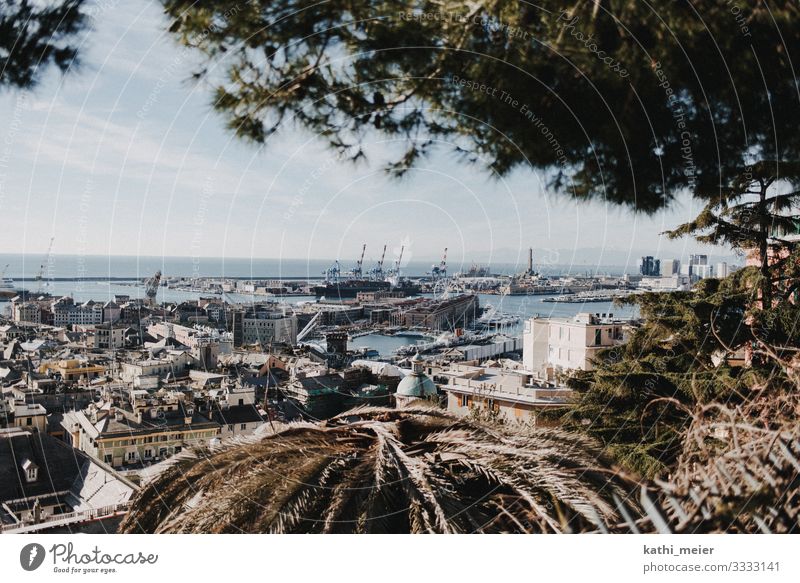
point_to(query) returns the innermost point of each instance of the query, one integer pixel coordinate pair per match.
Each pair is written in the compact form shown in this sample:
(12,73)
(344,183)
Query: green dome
(416,385)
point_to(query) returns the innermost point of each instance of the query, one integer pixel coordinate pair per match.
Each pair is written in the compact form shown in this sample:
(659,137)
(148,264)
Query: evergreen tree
(627,101)
(639,399)
(748,216)
(34,35)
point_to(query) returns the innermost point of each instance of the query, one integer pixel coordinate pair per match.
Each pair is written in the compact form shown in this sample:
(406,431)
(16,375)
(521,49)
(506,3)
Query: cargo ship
(350,288)
(354,281)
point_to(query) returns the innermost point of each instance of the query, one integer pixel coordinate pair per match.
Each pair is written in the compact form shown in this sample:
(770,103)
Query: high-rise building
(650,266)
(671,267)
(698,259)
(702,271)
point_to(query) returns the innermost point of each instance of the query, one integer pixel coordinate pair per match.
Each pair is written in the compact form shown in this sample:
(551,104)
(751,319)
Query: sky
(126,157)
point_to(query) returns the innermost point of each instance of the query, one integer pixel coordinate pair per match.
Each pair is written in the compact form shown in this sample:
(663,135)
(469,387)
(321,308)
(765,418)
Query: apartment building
(511,395)
(570,343)
(266,326)
(67,312)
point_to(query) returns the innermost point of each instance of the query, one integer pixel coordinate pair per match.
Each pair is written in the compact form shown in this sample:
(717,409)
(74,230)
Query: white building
(703,271)
(554,344)
(675,282)
(512,395)
(234,408)
(670,267)
(66,312)
(268,327)
(30,416)
(107,337)
(26,312)
(111,312)
(147,373)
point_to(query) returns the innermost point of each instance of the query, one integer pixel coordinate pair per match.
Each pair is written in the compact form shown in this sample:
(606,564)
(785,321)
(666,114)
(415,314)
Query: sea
(27,266)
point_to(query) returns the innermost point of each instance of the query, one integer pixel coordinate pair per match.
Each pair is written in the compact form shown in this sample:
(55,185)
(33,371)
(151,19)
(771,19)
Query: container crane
(399,261)
(332,273)
(45,263)
(377,271)
(357,270)
(440,271)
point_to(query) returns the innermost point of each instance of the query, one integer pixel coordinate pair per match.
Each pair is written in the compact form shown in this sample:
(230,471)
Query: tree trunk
(763,250)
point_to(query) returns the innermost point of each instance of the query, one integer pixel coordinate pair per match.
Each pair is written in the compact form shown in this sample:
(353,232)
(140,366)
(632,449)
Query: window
(148,453)
(108,458)
(598,336)
(243,426)
(131,456)
(29,421)
(241,401)
(464,400)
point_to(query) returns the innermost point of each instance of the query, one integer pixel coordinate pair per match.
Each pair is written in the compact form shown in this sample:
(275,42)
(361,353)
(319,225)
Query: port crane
(440,271)
(396,271)
(357,270)
(332,273)
(45,263)
(151,288)
(377,271)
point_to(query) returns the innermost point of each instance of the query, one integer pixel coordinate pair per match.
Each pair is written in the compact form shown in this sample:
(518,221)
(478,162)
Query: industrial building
(445,314)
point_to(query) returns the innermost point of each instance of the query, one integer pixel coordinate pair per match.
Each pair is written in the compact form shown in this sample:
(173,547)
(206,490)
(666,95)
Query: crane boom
(45,263)
(151,288)
(383,256)
(357,272)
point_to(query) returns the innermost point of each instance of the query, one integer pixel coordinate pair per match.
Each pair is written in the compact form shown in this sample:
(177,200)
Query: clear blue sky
(126,156)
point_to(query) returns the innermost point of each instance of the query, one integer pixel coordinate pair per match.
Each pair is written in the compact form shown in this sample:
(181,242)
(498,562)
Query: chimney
(530,260)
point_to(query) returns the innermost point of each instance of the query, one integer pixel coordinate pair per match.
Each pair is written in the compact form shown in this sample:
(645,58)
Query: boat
(7,289)
(350,288)
(494,318)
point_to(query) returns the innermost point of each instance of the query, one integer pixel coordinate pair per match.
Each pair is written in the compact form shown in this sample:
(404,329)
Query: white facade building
(107,337)
(269,327)
(26,312)
(553,344)
(66,312)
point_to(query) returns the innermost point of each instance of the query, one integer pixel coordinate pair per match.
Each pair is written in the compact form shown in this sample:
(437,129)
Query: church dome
(416,384)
